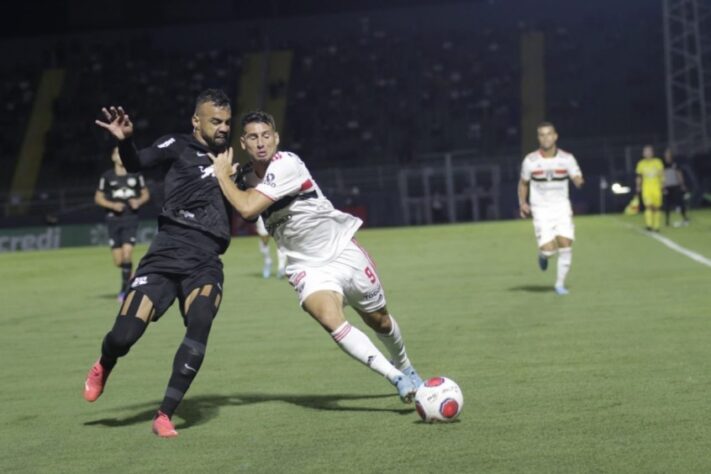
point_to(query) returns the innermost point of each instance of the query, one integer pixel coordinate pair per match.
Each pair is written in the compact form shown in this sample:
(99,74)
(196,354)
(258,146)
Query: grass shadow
(533,288)
(108,296)
(198,410)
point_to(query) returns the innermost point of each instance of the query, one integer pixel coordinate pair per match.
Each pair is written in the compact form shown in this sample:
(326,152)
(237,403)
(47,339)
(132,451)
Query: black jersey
(192,195)
(121,188)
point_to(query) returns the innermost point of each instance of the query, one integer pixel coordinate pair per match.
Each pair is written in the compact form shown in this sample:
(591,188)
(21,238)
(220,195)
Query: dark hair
(212,96)
(257,116)
(545,124)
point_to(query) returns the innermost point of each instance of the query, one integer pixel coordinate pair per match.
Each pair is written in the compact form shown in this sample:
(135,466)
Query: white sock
(264,249)
(356,344)
(394,344)
(281,256)
(565,257)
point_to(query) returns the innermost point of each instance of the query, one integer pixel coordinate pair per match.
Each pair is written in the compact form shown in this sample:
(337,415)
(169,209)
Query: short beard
(214,147)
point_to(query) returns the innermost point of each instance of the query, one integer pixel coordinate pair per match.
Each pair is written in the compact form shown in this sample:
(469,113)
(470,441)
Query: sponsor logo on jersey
(186,214)
(207,171)
(123,193)
(139,281)
(201,154)
(166,143)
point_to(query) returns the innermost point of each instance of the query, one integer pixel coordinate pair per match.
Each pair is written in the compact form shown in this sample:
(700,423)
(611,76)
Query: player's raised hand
(118,123)
(223,163)
(525,210)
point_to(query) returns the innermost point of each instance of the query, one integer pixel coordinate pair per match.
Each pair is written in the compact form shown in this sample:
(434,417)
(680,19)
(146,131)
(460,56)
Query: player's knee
(126,331)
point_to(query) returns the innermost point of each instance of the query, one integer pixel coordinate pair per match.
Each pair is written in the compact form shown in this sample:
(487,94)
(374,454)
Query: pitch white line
(682,250)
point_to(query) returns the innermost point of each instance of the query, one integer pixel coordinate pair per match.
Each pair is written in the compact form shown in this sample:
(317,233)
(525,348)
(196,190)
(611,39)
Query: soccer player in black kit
(183,261)
(121,193)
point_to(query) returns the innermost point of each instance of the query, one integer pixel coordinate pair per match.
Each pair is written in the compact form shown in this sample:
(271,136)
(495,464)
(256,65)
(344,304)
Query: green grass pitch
(615,377)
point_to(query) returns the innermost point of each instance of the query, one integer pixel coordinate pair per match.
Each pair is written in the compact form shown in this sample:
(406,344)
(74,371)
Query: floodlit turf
(615,377)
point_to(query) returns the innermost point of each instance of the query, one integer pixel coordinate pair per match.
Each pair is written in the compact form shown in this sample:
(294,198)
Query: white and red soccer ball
(439,399)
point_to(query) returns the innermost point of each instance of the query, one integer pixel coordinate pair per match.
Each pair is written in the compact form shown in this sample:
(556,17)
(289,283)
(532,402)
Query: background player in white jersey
(325,265)
(264,249)
(545,173)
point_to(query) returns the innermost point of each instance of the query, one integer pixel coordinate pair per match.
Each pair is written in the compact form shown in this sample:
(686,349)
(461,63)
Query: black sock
(190,354)
(125,275)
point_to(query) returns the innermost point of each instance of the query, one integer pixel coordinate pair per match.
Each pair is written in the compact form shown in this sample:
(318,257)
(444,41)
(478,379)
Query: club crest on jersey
(131,181)
(269,180)
(207,171)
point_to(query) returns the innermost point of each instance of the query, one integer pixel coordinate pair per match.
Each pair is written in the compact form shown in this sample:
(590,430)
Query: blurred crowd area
(373,92)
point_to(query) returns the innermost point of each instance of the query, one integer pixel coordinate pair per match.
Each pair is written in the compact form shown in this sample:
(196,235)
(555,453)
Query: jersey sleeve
(526,170)
(574,168)
(163,150)
(283,178)
(102,184)
(639,169)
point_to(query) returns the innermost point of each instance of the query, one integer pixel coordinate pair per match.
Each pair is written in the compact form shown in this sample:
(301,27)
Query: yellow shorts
(652,196)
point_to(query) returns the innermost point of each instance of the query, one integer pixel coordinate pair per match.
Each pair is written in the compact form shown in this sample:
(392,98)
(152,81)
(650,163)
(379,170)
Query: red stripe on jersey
(308,184)
(561,171)
(276,156)
(537,173)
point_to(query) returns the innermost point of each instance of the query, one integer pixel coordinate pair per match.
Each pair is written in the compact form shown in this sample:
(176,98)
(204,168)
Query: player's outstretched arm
(249,203)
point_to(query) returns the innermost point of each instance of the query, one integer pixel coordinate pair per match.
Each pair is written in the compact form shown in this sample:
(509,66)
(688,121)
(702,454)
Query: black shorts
(122,231)
(174,266)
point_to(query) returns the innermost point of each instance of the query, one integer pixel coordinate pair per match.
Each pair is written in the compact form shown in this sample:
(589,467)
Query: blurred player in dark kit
(121,193)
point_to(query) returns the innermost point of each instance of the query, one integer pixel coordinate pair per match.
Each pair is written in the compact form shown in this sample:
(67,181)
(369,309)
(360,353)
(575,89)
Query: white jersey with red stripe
(303,222)
(549,177)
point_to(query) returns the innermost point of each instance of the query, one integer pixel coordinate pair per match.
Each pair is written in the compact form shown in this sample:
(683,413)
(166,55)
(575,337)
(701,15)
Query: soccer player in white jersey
(266,254)
(325,265)
(545,173)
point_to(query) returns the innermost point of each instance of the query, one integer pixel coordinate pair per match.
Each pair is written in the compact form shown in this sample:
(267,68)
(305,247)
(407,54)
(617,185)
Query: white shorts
(352,274)
(259,227)
(550,223)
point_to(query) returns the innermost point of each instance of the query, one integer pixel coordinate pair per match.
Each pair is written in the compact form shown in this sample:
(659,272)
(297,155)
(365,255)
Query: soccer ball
(439,399)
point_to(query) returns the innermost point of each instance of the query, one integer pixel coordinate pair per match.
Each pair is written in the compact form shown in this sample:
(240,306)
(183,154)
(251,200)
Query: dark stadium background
(408,112)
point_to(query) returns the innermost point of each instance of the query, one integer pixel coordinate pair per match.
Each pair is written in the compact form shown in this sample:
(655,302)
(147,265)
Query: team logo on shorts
(138,281)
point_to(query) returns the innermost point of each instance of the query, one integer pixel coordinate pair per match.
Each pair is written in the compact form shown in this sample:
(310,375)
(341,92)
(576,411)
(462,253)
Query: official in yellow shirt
(650,182)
